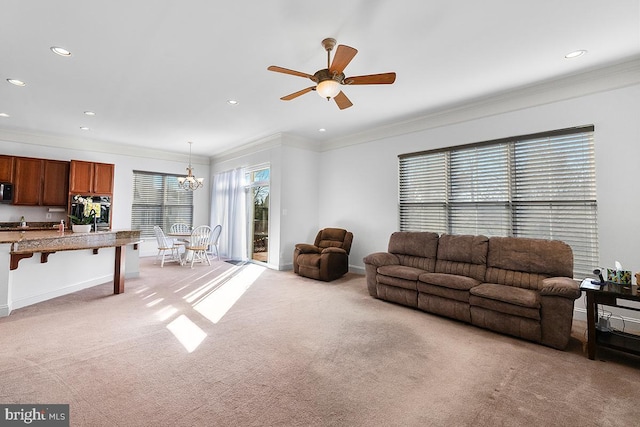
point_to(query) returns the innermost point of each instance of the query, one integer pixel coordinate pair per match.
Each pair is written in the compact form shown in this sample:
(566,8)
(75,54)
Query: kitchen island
(67,262)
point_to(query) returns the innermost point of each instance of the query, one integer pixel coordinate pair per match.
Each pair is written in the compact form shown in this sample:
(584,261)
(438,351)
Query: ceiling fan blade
(287,71)
(298,93)
(371,79)
(344,55)
(342,101)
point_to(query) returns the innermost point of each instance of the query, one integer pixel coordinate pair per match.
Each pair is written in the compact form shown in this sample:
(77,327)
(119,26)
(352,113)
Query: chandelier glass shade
(190,182)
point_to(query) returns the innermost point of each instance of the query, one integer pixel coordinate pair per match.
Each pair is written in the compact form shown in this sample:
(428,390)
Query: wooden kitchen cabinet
(55,183)
(40,182)
(27,181)
(91,178)
(6,168)
(103,178)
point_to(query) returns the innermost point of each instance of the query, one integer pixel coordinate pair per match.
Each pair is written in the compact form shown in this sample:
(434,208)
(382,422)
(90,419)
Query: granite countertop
(53,240)
(31,226)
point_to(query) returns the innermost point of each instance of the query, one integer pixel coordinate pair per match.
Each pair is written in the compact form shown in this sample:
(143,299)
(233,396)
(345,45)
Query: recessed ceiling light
(232,102)
(575,54)
(60,51)
(16,82)
(84,128)
(4,115)
(322,130)
(89,113)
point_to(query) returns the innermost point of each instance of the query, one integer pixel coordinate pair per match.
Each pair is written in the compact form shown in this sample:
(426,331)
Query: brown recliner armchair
(328,257)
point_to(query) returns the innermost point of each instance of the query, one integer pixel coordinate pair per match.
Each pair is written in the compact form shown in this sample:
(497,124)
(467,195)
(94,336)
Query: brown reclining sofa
(517,286)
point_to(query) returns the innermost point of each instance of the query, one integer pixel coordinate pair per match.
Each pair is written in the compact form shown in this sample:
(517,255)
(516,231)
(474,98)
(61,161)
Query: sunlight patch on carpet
(215,305)
(155,302)
(187,332)
(192,296)
(166,312)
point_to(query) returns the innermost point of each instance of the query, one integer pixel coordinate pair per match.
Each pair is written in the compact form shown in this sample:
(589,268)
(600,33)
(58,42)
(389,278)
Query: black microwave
(6,192)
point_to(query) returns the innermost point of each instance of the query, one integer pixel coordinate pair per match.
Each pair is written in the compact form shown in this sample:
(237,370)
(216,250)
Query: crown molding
(79,144)
(611,77)
(266,143)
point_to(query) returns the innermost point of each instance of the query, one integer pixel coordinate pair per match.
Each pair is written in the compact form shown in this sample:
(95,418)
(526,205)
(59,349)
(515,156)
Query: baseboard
(5,310)
(356,270)
(285,267)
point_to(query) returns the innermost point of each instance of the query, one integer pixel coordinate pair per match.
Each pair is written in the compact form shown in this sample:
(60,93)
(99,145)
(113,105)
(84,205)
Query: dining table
(182,238)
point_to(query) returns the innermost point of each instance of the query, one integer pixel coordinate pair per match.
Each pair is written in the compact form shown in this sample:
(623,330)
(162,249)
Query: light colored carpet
(292,352)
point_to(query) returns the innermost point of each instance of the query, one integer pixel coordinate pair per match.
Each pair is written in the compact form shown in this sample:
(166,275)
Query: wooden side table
(610,294)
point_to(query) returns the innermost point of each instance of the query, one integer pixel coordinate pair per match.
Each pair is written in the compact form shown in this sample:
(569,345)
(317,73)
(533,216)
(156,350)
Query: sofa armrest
(561,287)
(333,250)
(305,248)
(381,258)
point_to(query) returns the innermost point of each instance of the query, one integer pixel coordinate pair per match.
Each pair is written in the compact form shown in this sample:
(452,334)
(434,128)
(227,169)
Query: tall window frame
(540,185)
(159,200)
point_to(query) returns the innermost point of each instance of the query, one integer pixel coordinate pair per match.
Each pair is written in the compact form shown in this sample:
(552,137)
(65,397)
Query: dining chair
(198,244)
(180,228)
(213,243)
(166,247)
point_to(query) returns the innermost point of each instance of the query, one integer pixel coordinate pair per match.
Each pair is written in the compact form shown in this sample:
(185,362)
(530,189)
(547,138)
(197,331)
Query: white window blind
(540,186)
(158,200)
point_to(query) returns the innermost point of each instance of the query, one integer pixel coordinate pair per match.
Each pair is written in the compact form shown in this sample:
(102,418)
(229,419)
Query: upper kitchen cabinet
(6,168)
(55,184)
(27,181)
(40,182)
(91,178)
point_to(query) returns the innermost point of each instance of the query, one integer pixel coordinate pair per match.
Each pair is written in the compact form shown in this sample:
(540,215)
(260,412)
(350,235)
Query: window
(158,200)
(540,186)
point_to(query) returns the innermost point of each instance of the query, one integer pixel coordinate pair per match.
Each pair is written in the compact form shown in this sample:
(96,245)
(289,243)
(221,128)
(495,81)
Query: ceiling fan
(328,80)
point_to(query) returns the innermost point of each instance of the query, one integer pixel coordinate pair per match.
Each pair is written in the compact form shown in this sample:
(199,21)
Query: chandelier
(190,182)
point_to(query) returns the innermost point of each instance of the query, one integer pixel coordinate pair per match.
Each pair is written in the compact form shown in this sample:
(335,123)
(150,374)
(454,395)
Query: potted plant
(81,225)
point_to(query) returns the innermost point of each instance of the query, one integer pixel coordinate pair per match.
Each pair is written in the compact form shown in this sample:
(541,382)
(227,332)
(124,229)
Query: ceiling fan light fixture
(328,88)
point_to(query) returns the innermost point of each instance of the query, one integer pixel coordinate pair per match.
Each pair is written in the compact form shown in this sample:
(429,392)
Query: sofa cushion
(418,244)
(549,258)
(516,279)
(448,281)
(462,255)
(463,248)
(442,292)
(508,294)
(507,300)
(330,237)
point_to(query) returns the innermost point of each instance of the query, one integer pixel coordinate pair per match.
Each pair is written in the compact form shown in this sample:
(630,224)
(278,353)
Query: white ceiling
(158,73)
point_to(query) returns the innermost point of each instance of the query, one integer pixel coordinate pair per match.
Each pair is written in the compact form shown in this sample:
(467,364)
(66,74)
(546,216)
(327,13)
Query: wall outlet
(48,216)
